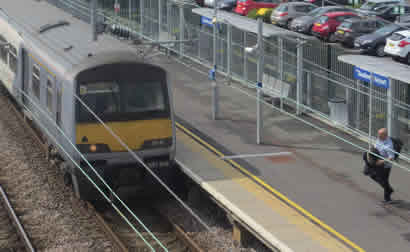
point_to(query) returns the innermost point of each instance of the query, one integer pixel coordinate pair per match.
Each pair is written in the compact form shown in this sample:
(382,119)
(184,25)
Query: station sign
(206,21)
(364,75)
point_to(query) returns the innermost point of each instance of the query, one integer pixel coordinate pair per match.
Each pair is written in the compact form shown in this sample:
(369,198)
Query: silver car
(221,4)
(286,12)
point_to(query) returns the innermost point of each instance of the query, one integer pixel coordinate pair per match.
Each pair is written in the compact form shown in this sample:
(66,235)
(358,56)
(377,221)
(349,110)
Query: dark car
(352,28)
(304,24)
(374,42)
(221,4)
(389,12)
(328,2)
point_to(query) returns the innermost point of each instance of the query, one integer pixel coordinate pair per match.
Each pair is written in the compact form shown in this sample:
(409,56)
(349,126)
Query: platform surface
(323,176)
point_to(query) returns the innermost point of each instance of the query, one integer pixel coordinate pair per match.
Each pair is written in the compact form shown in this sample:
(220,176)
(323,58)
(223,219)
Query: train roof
(60,39)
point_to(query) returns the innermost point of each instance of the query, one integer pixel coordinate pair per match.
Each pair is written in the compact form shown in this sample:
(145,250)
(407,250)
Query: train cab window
(35,82)
(119,101)
(13,59)
(50,92)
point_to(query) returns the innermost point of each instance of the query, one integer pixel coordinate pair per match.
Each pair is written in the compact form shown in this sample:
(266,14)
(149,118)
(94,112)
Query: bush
(265,13)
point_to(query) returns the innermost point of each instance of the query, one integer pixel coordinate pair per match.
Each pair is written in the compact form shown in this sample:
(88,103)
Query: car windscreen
(387,29)
(397,37)
(282,8)
(323,19)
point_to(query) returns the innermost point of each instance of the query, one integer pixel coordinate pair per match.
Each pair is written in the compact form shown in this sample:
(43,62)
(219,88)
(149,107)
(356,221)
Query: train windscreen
(123,100)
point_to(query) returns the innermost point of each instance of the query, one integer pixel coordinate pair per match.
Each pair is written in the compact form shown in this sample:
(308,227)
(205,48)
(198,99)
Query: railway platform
(316,199)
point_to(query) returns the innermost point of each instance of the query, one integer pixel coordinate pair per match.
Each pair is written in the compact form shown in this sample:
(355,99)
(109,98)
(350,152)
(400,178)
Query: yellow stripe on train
(132,133)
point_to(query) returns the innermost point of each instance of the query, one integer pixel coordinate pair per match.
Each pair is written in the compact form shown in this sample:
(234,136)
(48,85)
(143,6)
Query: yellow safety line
(277,193)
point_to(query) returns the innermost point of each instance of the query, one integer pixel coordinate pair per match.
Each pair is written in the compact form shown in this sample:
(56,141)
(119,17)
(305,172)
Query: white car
(398,45)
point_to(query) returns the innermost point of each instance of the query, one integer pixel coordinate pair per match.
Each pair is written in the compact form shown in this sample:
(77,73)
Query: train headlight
(93,148)
(157,143)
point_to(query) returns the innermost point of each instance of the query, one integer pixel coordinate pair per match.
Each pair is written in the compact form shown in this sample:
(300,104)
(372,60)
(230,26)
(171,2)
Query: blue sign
(363,75)
(206,21)
(259,84)
(211,74)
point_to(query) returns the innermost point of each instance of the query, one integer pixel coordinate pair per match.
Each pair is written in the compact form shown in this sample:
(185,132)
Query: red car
(325,26)
(244,6)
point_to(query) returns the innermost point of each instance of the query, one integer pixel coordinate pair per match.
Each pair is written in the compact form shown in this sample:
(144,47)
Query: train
(67,84)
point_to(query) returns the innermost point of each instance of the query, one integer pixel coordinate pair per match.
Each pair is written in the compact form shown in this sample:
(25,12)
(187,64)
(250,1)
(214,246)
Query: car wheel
(332,38)
(288,24)
(395,58)
(408,59)
(380,51)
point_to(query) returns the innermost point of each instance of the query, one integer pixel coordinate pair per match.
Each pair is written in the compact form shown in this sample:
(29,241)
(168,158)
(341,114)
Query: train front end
(123,107)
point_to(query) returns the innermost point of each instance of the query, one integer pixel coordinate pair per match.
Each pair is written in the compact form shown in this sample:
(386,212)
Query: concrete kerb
(247,222)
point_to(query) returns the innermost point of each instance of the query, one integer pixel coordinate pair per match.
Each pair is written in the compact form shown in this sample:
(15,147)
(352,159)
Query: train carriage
(58,75)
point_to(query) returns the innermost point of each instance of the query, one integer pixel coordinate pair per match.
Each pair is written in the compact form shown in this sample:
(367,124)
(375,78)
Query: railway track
(122,236)
(170,235)
(12,234)
(52,218)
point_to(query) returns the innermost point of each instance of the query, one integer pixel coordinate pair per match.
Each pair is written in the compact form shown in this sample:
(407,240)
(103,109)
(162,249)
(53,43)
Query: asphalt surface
(324,175)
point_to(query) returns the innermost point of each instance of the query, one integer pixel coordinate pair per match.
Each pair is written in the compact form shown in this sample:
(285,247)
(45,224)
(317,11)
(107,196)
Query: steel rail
(14,218)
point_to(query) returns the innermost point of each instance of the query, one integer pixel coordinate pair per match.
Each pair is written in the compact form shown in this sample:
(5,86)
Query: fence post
(280,41)
(299,78)
(142,18)
(391,122)
(358,104)
(245,57)
(260,70)
(159,18)
(94,19)
(229,49)
(181,30)
(309,89)
(215,93)
(370,109)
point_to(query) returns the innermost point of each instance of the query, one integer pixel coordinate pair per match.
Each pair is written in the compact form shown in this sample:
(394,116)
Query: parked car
(244,6)
(304,24)
(326,25)
(398,45)
(389,12)
(328,2)
(222,4)
(372,5)
(352,28)
(403,19)
(375,42)
(286,12)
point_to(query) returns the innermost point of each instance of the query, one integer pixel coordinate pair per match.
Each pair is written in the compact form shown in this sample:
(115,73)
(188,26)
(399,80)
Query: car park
(375,42)
(221,4)
(243,7)
(326,25)
(398,45)
(389,12)
(352,28)
(303,24)
(286,12)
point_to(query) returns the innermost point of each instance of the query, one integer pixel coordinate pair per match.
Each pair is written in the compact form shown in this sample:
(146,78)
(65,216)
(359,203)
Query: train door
(25,75)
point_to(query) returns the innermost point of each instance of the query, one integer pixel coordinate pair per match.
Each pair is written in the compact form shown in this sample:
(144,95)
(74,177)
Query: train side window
(58,114)
(13,59)
(35,82)
(50,92)
(3,49)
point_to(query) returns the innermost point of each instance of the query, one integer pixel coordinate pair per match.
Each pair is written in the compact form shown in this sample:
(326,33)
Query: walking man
(384,145)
